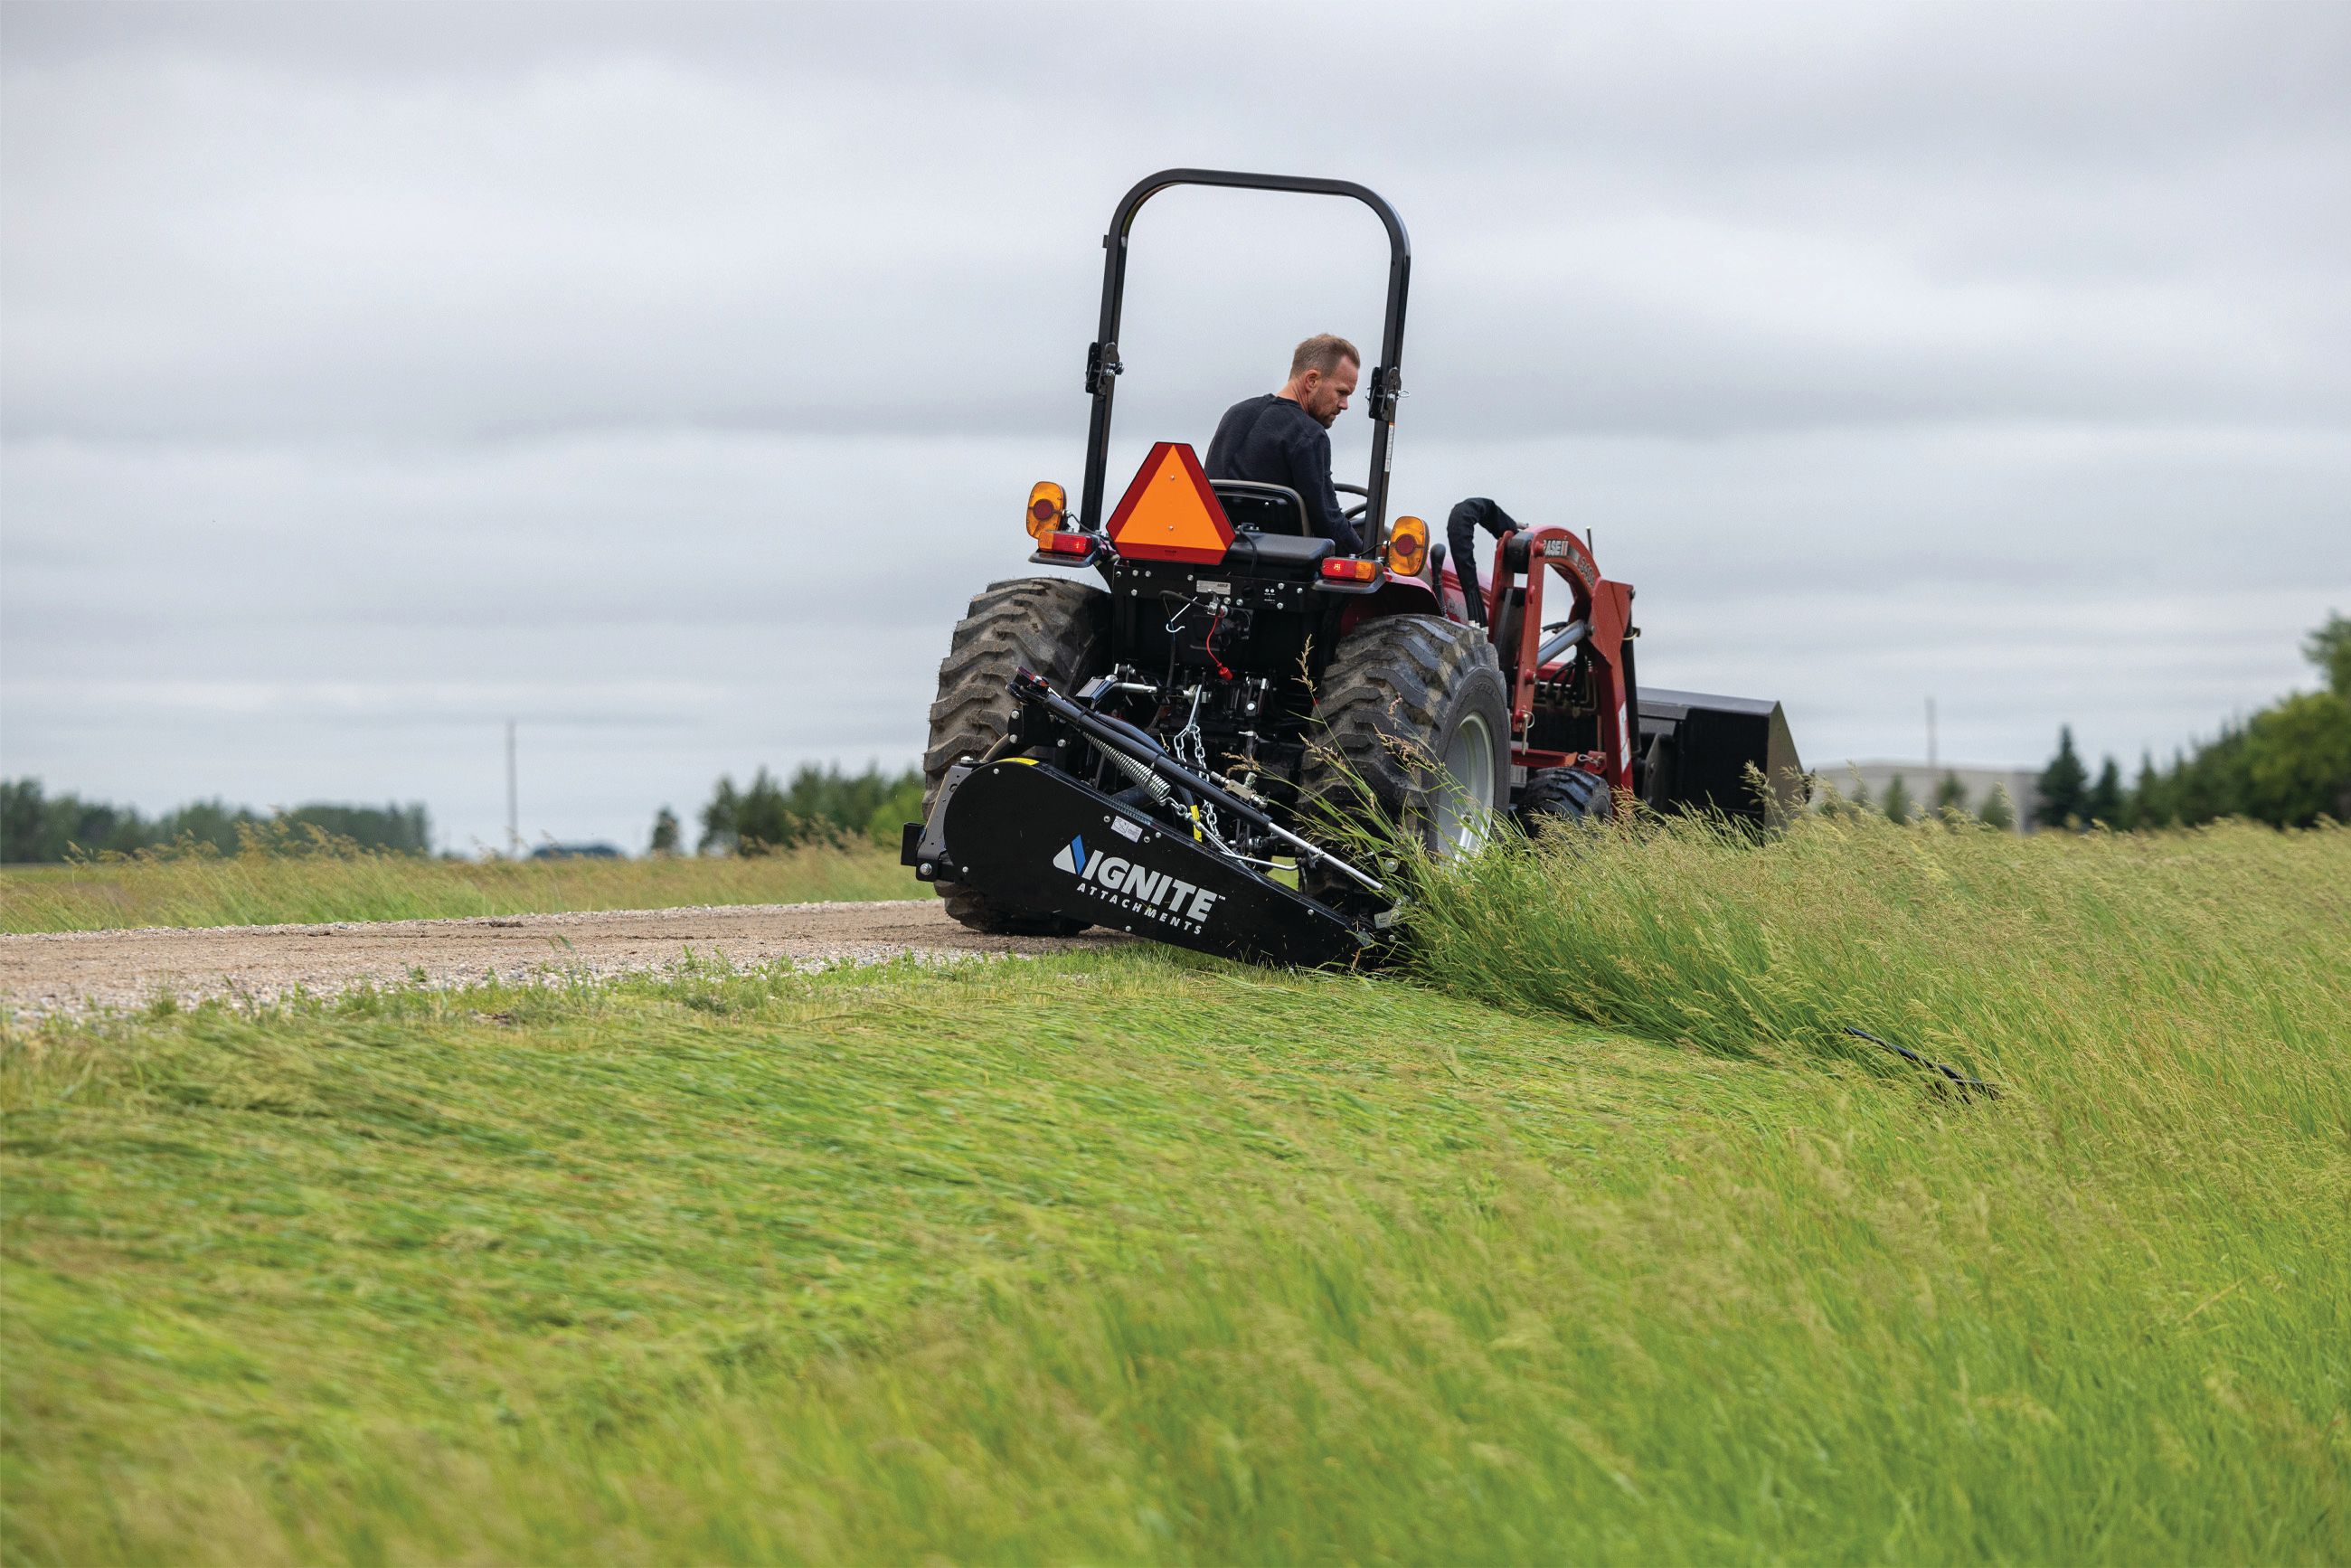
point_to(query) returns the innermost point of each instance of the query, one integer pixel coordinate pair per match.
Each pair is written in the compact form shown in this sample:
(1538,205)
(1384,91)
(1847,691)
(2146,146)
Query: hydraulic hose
(1461,541)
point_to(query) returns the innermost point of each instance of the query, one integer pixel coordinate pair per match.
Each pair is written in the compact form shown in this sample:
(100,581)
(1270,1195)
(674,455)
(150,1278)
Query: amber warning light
(1047,504)
(1407,547)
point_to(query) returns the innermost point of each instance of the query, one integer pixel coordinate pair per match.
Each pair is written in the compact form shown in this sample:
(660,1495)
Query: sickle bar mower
(1190,750)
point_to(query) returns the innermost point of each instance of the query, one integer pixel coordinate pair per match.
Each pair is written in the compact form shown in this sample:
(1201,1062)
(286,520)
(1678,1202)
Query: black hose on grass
(1959,1080)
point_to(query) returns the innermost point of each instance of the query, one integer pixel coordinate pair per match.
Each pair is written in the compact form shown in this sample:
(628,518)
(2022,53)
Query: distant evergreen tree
(2329,648)
(2209,782)
(763,816)
(2064,794)
(665,833)
(2105,801)
(2147,805)
(1896,805)
(24,820)
(1998,811)
(1950,794)
(1860,794)
(718,835)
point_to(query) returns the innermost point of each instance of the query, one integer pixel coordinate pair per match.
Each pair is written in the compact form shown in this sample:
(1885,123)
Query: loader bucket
(1696,747)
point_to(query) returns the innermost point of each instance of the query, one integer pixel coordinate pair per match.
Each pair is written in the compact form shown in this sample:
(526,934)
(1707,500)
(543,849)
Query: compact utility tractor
(1163,741)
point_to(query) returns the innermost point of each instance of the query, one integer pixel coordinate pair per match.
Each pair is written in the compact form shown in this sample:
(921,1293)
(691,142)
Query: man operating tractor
(1266,702)
(1284,437)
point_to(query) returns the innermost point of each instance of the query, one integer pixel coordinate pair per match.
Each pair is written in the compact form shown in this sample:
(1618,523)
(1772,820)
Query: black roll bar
(1102,367)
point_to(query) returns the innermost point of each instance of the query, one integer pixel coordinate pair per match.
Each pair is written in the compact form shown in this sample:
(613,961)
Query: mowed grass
(304,889)
(1134,1257)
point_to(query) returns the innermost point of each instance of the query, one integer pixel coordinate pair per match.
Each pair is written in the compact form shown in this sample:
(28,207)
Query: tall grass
(2148,970)
(268,889)
(1134,1257)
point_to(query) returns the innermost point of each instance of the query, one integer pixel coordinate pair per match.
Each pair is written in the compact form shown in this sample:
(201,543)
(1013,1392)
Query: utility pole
(1930,734)
(514,817)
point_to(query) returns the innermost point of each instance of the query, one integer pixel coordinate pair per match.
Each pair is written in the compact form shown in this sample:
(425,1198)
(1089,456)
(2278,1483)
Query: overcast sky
(666,378)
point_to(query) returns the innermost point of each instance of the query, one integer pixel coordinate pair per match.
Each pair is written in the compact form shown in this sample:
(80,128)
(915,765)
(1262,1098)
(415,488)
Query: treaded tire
(1052,625)
(1397,693)
(1564,795)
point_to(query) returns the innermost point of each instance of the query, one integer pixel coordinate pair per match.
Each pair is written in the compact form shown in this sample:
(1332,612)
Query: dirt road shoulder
(75,972)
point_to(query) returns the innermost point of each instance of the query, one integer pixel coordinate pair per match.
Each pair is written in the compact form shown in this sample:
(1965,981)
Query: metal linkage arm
(1109,735)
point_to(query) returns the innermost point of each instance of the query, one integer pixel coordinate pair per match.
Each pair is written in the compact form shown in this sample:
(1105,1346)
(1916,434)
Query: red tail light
(1348,569)
(1063,542)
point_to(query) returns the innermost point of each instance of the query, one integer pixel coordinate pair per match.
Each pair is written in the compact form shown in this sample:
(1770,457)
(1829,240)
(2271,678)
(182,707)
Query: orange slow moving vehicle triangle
(1169,513)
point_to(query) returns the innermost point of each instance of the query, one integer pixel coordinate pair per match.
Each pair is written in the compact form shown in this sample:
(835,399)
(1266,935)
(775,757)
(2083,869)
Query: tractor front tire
(1056,627)
(1412,729)
(1564,795)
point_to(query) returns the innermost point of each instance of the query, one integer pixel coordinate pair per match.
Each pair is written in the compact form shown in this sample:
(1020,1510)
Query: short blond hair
(1324,352)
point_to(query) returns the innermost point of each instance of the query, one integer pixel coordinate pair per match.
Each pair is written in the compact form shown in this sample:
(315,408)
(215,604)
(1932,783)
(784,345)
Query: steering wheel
(1351,513)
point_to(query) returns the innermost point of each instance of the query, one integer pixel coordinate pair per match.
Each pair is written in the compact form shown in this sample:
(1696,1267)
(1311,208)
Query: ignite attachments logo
(1138,890)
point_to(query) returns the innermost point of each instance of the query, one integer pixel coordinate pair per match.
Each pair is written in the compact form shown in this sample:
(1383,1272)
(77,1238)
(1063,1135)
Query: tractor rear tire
(1564,795)
(1056,627)
(1412,729)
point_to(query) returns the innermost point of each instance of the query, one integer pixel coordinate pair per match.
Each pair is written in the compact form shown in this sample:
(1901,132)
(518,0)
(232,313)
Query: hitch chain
(1189,749)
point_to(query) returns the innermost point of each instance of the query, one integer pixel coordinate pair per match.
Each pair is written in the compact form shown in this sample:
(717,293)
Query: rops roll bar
(1102,366)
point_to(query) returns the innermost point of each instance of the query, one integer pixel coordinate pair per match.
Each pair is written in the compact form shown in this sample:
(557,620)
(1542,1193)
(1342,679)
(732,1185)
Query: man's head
(1323,376)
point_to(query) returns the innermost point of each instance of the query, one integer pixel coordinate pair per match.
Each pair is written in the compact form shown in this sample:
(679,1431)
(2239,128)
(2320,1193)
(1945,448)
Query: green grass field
(1607,1246)
(278,889)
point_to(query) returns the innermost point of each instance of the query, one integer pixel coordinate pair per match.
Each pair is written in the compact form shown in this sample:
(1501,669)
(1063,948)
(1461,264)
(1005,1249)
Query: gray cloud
(672,373)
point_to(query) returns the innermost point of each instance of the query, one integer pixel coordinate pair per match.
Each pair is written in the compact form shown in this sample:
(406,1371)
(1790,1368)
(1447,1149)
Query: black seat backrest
(1276,555)
(1255,508)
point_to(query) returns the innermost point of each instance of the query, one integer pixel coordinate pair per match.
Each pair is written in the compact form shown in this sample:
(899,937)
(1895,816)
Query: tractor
(1195,728)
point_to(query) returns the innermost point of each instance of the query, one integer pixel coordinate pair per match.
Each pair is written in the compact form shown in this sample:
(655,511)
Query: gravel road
(75,972)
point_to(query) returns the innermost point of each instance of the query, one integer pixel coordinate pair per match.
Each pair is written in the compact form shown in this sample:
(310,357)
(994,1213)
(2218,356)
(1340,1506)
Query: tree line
(819,806)
(2288,765)
(40,828)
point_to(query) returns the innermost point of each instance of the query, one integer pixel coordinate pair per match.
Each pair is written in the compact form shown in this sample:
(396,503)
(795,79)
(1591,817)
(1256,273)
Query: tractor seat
(1255,508)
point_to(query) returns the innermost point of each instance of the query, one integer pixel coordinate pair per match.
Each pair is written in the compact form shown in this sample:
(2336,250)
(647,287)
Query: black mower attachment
(1157,865)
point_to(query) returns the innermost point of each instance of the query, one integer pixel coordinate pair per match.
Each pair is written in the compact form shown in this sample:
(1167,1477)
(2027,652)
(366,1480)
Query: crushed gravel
(82,971)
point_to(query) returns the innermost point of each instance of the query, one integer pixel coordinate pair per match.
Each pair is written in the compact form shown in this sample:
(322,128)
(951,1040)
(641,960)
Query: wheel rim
(1464,795)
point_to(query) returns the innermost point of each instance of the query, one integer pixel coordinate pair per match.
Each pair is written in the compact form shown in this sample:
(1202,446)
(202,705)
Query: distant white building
(1921,779)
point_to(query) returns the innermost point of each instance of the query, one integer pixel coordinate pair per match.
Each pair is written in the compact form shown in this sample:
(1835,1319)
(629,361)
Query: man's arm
(1310,468)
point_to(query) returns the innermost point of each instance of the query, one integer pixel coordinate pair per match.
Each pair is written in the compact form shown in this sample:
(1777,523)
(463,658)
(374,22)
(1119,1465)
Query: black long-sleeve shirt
(1273,441)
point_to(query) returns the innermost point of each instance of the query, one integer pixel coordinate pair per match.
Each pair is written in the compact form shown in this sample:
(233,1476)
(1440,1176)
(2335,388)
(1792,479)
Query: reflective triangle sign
(1170,512)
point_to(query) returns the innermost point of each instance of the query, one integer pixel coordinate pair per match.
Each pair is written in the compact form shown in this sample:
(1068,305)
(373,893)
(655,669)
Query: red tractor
(1166,739)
